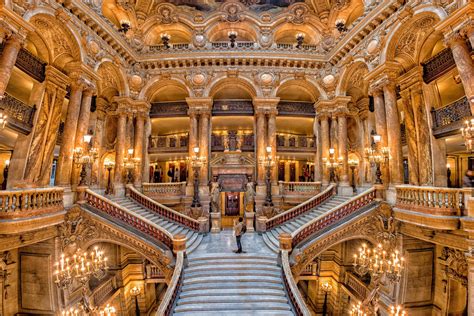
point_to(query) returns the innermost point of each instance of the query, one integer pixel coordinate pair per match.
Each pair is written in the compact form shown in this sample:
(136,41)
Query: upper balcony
(449,119)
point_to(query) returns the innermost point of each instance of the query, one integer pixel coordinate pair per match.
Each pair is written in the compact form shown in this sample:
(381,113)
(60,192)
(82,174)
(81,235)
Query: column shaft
(325,145)
(464,64)
(204,146)
(271,141)
(120,148)
(381,128)
(342,135)
(410,130)
(318,164)
(138,146)
(65,161)
(193,141)
(145,165)
(8,58)
(394,134)
(260,137)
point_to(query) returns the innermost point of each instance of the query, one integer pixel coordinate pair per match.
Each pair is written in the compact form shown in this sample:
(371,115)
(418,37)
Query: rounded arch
(308,84)
(111,77)
(157,84)
(246,31)
(224,82)
(297,90)
(179,33)
(353,75)
(286,33)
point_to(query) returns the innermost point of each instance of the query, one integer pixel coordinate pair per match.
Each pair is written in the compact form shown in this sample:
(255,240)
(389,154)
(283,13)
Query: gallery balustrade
(296,143)
(20,115)
(170,143)
(449,119)
(17,204)
(299,188)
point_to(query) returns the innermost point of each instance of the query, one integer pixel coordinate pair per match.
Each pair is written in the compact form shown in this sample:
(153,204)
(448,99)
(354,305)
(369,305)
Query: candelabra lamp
(299,40)
(130,163)
(85,156)
(327,288)
(165,39)
(124,26)
(357,310)
(468,134)
(108,311)
(232,38)
(268,163)
(397,311)
(5,174)
(109,165)
(353,165)
(332,164)
(196,163)
(377,156)
(3,119)
(134,292)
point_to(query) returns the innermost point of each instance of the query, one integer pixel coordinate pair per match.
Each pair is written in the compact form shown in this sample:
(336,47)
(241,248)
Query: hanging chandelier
(357,310)
(397,311)
(3,119)
(468,134)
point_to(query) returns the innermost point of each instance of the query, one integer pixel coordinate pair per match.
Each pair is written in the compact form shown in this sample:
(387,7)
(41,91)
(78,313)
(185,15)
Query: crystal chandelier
(107,311)
(378,262)
(357,310)
(397,311)
(468,134)
(377,155)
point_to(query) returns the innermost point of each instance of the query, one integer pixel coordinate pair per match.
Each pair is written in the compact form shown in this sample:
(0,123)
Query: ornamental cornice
(56,77)
(129,106)
(338,104)
(381,76)
(84,72)
(457,19)
(411,77)
(265,105)
(199,105)
(12,23)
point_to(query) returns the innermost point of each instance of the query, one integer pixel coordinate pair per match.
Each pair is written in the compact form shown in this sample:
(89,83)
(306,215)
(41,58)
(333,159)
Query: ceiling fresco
(256,5)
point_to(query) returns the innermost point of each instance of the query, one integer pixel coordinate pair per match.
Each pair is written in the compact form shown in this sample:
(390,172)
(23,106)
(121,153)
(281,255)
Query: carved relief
(75,231)
(298,14)
(166,14)
(455,264)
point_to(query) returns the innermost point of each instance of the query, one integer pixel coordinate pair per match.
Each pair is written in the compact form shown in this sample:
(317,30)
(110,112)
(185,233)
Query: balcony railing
(20,115)
(173,143)
(296,143)
(160,190)
(438,65)
(30,202)
(232,142)
(356,286)
(30,64)
(432,200)
(153,272)
(168,109)
(299,188)
(104,291)
(449,119)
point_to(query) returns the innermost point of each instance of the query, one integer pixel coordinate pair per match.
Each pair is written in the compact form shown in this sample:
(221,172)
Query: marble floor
(224,242)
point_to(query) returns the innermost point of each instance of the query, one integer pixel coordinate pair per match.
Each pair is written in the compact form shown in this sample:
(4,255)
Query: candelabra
(357,310)
(332,164)
(268,163)
(468,134)
(3,119)
(108,311)
(327,288)
(196,163)
(232,38)
(135,291)
(85,156)
(299,40)
(124,26)
(109,165)
(397,311)
(130,163)
(165,39)
(353,165)
(377,156)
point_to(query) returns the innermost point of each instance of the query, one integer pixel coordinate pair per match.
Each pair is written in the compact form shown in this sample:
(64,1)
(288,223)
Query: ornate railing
(292,290)
(165,189)
(30,202)
(237,45)
(138,222)
(162,210)
(432,200)
(293,108)
(304,47)
(171,143)
(299,188)
(30,64)
(356,286)
(168,109)
(103,291)
(296,143)
(438,65)
(450,117)
(232,107)
(246,142)
(342,211)
(153,272)
(20,115)
(301,208)
(161,47)
(169,299)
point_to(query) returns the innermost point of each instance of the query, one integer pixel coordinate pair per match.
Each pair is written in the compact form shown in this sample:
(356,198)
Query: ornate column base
(345,189)
(69,197)
(261,226)
(216,224)
(80,194)
(203,224)
(249,217)
(391,195)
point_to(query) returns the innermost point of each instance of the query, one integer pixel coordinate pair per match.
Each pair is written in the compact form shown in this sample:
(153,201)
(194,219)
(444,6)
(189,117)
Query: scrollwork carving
(455,264)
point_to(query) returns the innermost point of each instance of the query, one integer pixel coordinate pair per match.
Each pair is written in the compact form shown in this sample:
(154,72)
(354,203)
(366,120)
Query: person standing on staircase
(239,230)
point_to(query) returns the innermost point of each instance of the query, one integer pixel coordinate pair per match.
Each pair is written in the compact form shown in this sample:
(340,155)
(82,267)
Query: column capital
(199,103)
(80,70)
(12,23)
(56,77)
(383,75)
(454,38)
(130,106)
(265,102)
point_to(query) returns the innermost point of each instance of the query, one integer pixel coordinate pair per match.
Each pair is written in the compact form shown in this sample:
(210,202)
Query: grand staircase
(271,237)
(193,237)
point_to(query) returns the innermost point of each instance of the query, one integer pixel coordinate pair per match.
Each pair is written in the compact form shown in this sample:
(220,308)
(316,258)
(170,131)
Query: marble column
(469,32)
(138,146)
(325,144)
(98,171)
(464,64)
(410,131)
(193,140)
(65,160)
(470,282)
(423,133)
(82,128)
(394,134)
(120,148)
(318,164)
(260,138)
(204,145)
(381,127)
(145,165)
(342,137)
(8,58)
(271,141)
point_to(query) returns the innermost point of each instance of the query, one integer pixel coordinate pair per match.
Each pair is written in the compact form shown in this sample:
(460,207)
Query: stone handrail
(353,283)
(432,200)
(299,188)
(164,189)
(325,220)
(301,208)
(152,272)
(166,306)
(30,202)
(291,288)
(162,210)
(103,291)
(120,213)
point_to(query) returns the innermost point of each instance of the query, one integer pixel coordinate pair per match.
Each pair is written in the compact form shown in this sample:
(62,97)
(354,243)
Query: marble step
(234,266)
(203,287)
(218,257)
(236,313)
(232,299)
(271,243)
(257,273)
(211,262)
(245,306)
(231,292)
(231,281)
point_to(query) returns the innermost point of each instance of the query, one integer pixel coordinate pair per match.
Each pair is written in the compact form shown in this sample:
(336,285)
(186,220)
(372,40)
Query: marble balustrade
(30,202)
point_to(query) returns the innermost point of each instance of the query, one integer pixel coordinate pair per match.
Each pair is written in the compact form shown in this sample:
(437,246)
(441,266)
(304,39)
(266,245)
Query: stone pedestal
(261,226)
(345,190)
(249,217)
(203,224)
(285,241)
(68,197)
(391,195)
(179,243)
(216,223)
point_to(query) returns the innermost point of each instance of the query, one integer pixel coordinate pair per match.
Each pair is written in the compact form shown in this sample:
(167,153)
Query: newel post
(179,243)
(81,194)
(286,241)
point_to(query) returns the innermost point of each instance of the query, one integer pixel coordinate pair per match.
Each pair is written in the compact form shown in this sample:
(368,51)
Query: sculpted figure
(215,196)
(249,196)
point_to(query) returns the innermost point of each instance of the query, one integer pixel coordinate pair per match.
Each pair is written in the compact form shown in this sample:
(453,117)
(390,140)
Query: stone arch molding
(374,226)
(81,229)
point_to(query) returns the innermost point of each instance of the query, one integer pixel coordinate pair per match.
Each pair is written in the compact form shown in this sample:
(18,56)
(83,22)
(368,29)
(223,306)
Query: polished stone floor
(224,242)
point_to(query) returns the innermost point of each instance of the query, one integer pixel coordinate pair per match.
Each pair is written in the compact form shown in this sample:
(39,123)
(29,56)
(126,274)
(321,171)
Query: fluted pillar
(410,129)
(342,137)
(381,127)
(393,133)
(193,140)
(260,138)
(138,146)
(271,141)
(325,144)
(8,58)
(120,148)
(65,161)
(204,145)
(464,64)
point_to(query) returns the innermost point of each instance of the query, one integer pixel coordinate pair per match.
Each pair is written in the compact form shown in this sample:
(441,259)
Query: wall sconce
(124,26)
(165,39)
(232,37)
(299,40)
(341,25)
